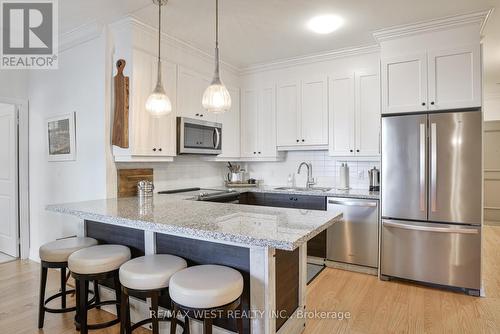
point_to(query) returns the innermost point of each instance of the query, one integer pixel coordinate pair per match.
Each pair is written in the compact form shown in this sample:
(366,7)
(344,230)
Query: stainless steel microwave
(195,136)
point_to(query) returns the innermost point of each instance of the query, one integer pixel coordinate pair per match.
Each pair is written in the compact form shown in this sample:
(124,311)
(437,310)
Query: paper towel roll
(344,177)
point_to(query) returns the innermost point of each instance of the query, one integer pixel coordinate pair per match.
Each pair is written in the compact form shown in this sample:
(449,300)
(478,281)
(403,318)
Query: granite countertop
(280,228)
(351,193)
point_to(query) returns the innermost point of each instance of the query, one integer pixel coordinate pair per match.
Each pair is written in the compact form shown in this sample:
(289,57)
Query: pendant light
(216,98)
(158,104)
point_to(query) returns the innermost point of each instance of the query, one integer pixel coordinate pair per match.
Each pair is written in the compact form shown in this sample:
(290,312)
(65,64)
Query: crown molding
(173,41)
(444,23)
(79,35)
(309,59)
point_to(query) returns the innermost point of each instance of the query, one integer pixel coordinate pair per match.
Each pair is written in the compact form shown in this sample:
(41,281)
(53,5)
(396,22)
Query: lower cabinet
(317,245)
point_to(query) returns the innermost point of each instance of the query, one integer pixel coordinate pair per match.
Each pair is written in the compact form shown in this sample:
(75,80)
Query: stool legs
(82,293)
(63,287)
(41,303)
(173,321)
(118,289)
(125,311)
(207,326)
(239,320)
(97,295)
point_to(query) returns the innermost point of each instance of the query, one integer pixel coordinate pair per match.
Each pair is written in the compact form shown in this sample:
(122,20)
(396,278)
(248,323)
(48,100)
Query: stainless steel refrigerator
(432,198)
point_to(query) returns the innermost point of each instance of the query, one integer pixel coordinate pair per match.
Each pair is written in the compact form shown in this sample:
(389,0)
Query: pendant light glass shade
(158,104)
(216,98)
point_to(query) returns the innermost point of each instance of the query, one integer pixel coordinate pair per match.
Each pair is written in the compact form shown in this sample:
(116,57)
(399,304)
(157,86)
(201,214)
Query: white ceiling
(257,31)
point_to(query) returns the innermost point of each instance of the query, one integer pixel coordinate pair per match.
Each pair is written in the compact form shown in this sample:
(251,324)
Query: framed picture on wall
(61,137)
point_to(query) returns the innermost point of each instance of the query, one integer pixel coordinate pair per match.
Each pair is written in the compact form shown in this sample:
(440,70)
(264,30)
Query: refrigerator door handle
(422,165)
(433,166)
(431,228)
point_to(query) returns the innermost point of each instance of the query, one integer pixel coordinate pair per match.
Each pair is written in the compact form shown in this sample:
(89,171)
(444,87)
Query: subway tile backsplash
(325,169)
(193,171)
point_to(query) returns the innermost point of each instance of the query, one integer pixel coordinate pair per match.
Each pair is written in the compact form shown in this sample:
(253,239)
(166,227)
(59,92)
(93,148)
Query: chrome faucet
(310,179)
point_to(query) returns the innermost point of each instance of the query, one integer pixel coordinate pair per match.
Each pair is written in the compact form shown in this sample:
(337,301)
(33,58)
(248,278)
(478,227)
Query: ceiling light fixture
(325,24)
(216,98)
(158,104)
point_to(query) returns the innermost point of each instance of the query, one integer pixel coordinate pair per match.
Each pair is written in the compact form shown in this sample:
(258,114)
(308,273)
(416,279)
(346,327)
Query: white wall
(78,85)
(14,84)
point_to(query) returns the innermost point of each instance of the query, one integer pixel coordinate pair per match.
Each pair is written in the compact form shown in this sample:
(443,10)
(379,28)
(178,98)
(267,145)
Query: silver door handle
(354,203)
(431,228)
(422,166)
(433,166)
(217,138)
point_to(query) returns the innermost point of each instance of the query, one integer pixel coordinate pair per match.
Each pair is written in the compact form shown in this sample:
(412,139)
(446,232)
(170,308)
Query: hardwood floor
(375,306)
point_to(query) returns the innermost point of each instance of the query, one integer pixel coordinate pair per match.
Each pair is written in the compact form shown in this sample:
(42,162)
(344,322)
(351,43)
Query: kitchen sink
(303,189)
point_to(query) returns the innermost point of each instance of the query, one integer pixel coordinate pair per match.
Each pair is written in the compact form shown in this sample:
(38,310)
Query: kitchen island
(267,245)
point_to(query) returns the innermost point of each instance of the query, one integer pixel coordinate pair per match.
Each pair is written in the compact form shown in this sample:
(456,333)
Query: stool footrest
(58,310)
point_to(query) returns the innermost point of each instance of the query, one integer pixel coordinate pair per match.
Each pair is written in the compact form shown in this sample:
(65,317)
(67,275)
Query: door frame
(22,111)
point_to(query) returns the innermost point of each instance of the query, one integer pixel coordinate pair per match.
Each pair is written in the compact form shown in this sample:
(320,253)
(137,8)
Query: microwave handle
(216,137)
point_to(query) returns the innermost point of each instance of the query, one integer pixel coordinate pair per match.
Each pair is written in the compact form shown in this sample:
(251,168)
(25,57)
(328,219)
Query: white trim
(80,35)
(443,23)
(23,173)
(176,42)
(309,59)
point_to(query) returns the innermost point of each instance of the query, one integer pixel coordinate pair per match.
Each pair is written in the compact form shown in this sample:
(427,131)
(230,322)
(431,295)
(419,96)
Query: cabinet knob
(201,115)
(160,149)
(357,151)
(351,151)
(254,152)
(432,103)
(298,140)
(303,140)
(197,114)
(154,149)
(259,152)
(423,103)
(295,199)
(291,198)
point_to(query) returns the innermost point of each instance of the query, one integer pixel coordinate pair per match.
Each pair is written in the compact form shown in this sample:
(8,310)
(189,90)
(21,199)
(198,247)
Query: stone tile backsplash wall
(325,169)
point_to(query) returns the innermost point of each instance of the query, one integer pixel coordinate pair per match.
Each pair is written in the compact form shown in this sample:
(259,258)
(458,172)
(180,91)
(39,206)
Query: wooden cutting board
(120,123)
(128,178)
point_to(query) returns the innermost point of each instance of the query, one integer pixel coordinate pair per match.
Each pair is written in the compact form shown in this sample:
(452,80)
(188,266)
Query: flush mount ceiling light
(216,98)
(158,104)
(325,24)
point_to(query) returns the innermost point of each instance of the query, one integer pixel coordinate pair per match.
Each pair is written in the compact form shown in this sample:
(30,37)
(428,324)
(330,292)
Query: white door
(231,127)
(367,95)
(455,78)
(267,123)
(314,111)
(9,230)
(341,118)
(404,84)
(288,108)
(249,122)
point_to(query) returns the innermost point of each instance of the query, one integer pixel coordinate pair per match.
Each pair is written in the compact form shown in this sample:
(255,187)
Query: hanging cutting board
(120,123)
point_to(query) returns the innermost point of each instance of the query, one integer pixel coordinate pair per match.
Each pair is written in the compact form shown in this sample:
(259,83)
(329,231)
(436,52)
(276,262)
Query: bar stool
(206,289)
(55,255)
(95,264)
(148,276)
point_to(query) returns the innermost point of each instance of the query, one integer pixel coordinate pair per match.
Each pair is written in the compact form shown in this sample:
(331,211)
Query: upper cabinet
(258,123)
(191,86)
(302,113)
(354,122)
(151,139)
(433,80)
(231,127)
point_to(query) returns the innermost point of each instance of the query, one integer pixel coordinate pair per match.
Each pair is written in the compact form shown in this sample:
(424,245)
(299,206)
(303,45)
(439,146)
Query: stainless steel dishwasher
(355,240)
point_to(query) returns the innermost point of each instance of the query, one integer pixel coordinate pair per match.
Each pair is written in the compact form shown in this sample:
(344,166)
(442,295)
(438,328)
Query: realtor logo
(29,34)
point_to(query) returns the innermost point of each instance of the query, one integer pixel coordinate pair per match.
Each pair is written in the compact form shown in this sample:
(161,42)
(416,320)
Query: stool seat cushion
(98,259)
(151,271)
(60,250)
(206,286)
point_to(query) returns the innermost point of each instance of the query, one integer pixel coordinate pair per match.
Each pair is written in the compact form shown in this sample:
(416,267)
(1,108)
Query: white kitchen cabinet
(302,113)
(288,126)
(455,78)
(404,83)
(258,123)
(342,116)
(355,114)
(432,80)
(191,86)
(231,127)
(150,138)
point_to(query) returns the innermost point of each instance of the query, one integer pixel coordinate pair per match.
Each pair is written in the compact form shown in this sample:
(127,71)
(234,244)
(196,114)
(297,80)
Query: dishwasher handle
(364,204)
